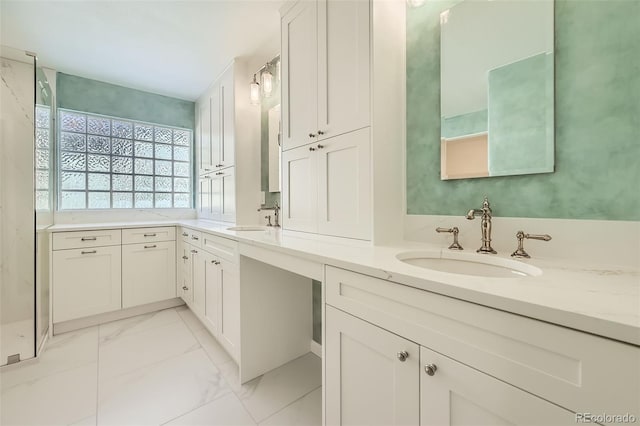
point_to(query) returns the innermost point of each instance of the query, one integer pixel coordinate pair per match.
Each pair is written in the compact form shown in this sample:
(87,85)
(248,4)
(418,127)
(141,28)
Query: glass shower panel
(17,219)
(44,130)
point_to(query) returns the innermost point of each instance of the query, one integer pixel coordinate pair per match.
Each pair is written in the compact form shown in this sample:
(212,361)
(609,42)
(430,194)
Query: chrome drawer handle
(152,246)
(215,262)
(185,257)
(184,234)
(402,356)
(194,251)
(88,239)
(430,369)
(149,235)
(219,173)
(88,252)
(185,288)
(193,237)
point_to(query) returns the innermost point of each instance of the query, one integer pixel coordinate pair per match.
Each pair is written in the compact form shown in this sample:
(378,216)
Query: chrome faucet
(276,214)
(485,225)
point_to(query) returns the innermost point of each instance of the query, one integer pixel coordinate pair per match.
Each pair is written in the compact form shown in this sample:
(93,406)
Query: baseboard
(316,348)
(66,326)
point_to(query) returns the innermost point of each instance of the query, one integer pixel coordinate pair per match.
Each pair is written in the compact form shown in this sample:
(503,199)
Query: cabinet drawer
(220,247)
(579,371)
(80,239)
(191,236)
(145,235)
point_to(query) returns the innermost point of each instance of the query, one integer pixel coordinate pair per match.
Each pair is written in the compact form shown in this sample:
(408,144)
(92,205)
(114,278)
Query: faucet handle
(268,217)
(455,231)
(520,235)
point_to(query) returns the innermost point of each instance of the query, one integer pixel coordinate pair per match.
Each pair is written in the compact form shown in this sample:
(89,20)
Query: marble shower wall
(17,198)
(597,116)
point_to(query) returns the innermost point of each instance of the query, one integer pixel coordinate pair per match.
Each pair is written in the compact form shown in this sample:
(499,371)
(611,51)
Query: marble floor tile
(87,421)
(271,392)
(128,326)
(189,318)
(57,399)
(225,411)
(130,352)
(307,411)
(17,338)
(62,352)
(211,346)
(160,392)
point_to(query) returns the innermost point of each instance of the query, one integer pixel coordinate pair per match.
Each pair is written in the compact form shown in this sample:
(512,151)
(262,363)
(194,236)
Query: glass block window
(115,163)
(43,160)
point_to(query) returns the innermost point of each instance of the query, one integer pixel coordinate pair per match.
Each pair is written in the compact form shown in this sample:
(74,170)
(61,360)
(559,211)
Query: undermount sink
(247,228)
(471,264)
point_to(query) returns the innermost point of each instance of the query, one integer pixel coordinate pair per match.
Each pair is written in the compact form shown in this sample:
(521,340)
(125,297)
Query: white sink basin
(247,228)
(472,264)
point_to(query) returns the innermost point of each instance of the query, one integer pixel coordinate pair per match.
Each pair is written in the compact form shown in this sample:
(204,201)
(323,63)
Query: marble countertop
(598,299)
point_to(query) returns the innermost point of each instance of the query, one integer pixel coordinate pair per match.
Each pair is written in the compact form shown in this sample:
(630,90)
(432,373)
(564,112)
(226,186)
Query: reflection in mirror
(275,133)
(497,88)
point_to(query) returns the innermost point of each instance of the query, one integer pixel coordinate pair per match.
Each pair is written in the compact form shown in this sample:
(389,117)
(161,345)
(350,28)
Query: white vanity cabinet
(86,281)
(227,140)
(212,285)
(148,267)
(325,70)
(489,366)
(327,186)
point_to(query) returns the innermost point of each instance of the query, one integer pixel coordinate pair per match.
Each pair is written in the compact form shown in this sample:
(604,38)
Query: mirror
(497,88)
(275,133)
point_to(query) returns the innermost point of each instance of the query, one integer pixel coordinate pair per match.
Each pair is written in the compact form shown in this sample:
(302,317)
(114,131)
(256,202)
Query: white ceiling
(173,48)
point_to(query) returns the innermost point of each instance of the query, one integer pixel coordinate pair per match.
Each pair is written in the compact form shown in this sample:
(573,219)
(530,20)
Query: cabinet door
(299,75)
(205,200)
(300,189)
(460,395)
(343,66)
(227,103)
(185,287)
(367,382)
(212,294)
(216,125)
(223,195)
(198,260)
(204,147)
(229,308)
(344,185)
(86,282)
(148,273)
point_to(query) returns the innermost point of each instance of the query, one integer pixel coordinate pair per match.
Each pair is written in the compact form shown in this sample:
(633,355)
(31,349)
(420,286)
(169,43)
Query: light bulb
(254,93)
(267,83)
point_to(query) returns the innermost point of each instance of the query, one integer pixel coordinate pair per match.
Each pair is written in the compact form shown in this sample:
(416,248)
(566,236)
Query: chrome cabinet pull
(185,257)
(149,235)
(207,177)
(151,246)
(88,252)
(430,369)
(311,135)
(320,132)
(320,146)
(219,173)
(219,165)
(311,148)
(194,251)
(88,239)
(215,262)
(185,288)
(193,237)
(403,355)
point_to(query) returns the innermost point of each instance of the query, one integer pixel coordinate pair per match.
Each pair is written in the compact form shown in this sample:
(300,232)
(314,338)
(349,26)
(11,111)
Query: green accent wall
(521,126)
(597,115)
(83,94)
(464,124)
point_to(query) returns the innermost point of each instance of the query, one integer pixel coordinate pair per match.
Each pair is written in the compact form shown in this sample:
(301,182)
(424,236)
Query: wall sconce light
(267,83)
(255,92)
(415,3)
